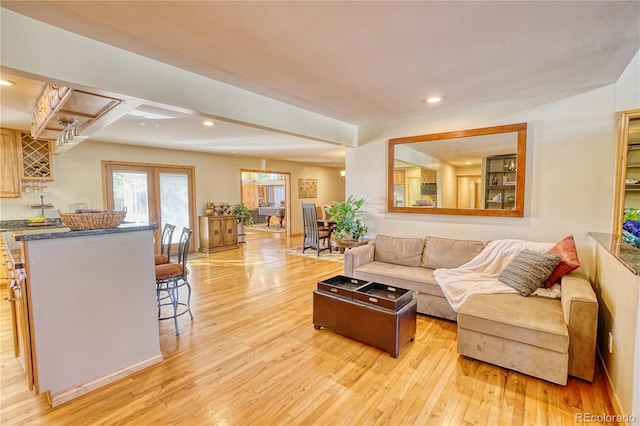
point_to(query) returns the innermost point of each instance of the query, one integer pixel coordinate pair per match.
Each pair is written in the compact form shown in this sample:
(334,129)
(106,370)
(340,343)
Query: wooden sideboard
(218,233)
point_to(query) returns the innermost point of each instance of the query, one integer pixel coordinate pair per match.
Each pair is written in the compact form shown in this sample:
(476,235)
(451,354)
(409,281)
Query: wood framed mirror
(479,172)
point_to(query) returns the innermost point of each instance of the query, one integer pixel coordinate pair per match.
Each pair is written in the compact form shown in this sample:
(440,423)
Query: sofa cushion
(566,249)
(401,251)
(410,278)
(537,321)
(448,253)
(528,270)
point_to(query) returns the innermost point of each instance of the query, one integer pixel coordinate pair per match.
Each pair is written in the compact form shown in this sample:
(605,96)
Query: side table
(346,244)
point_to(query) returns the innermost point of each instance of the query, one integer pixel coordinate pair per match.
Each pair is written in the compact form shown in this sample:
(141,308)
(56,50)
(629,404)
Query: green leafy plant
(242,214)
(346,215)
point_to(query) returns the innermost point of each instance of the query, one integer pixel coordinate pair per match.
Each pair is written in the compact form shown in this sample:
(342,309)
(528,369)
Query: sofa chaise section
(543,337)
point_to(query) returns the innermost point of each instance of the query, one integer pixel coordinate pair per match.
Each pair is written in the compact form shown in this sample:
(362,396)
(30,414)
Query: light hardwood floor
(252,357)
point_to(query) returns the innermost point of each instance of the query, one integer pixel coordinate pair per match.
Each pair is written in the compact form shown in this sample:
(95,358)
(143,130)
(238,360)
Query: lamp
(343,175)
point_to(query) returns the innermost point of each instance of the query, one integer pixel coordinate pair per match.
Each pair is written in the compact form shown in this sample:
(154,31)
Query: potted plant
(243,216)
(346,215)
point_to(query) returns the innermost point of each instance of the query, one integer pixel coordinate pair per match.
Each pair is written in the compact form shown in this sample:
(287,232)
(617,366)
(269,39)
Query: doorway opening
(469,192)
(267,196)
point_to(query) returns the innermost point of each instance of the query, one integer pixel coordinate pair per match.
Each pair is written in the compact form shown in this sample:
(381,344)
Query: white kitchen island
(91,307)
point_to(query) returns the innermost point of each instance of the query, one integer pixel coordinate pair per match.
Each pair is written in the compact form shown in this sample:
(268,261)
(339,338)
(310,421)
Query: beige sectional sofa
(539,336)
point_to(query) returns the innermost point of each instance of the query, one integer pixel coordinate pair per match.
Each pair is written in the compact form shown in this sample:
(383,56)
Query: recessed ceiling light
(7,83)
(434,99)
(150,125)
(467,162)
(208,123)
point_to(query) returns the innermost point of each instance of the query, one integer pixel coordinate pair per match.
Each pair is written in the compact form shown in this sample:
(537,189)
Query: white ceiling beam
(41,50)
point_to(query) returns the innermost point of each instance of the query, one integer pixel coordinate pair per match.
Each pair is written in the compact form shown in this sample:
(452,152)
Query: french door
(152,193)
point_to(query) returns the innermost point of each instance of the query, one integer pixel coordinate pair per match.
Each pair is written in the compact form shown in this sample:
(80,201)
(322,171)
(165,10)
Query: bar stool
(165,245)
(170,278)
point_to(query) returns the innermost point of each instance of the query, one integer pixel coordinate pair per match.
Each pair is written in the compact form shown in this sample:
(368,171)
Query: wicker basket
(87,221)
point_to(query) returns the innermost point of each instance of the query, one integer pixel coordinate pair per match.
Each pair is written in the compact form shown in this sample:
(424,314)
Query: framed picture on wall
(307,188)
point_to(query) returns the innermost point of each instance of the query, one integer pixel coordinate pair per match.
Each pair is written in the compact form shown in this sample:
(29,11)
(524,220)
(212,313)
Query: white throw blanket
(480,274)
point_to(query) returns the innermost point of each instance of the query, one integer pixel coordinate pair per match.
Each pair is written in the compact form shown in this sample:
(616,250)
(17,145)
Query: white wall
(78,178)
(628,87)
(571,153)
(570,168)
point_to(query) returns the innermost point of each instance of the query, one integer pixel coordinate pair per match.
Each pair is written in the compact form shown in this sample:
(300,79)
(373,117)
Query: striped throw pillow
(528,271)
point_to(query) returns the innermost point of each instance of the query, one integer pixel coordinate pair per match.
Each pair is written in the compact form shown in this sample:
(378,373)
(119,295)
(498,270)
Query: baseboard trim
(57,398)
(613,397)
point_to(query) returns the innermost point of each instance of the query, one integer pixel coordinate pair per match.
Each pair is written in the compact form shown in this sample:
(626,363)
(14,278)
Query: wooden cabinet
(21,324)
(500,182)
(398,177)
(10,164)
(17,297)
(632,178)
(428,175)
(627,179)
(218,233)
(22,158)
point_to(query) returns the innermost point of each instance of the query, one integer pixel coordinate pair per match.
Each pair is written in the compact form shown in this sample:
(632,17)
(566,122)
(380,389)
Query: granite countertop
(13,238)
(627,254)
(50,233)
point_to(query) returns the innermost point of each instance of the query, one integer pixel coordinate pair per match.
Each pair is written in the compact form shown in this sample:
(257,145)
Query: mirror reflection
(472,172)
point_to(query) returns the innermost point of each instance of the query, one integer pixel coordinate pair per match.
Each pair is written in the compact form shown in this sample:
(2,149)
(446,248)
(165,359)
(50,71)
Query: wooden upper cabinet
(398,177)
(428,175)
(10,164)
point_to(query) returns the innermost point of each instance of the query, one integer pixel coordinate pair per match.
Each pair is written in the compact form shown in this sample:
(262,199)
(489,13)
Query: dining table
(278,212)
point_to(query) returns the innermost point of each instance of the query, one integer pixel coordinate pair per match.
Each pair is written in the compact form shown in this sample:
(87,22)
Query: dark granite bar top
(627,254)
(20,224)
(13,238)
(46,234)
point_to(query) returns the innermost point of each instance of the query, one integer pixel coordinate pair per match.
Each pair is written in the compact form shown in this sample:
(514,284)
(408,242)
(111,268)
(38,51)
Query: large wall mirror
(468,172)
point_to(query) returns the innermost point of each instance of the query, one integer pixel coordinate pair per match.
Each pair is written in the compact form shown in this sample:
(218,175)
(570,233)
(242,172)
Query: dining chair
(170,279)
(313,233)
(165,244)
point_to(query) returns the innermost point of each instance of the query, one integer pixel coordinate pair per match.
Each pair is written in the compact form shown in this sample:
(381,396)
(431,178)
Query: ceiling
(355,61)
(465,151)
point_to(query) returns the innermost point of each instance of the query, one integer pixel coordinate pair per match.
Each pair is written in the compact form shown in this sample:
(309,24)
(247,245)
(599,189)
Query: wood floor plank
(251,356)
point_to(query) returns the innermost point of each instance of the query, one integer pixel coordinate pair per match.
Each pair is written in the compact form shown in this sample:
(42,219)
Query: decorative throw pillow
(566,249)
(528,270)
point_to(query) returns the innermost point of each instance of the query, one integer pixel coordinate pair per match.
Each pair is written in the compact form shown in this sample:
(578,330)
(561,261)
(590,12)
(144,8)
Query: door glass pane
(174,201)
(130,190)
(278,194)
